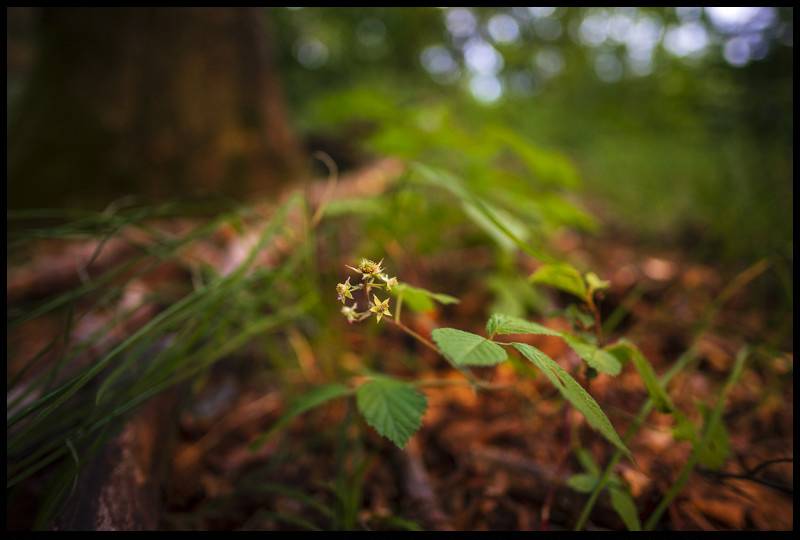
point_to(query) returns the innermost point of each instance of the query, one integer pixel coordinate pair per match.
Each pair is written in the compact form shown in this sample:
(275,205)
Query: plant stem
(598,326)
(474,381)
(440,383)
(415,335)
(682,362)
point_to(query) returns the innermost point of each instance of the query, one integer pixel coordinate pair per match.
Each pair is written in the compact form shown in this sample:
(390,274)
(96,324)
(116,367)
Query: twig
(750,475)
(418,488)
(732,476)
(333,178)
(767,463)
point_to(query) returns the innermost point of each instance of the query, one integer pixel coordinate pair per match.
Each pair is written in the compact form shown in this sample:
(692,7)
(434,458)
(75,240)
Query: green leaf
(515,296)
(684,429)
(443,298)
(419,299)
(623,350)
(597,358)
(466,349)
(498,223)
(574,393)
(624,505)
(548,167)
(582,483)
(504,228)
(310,400)
(393,408)
(561,276)
(577,317)
(717,448)
(500,323)
(355,205)
(587,462)
(440,178)
(595,283)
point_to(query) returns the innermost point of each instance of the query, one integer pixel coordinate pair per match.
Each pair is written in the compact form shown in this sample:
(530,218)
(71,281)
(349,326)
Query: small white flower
(368,269)
(390,282)
(350,313)
(344,290)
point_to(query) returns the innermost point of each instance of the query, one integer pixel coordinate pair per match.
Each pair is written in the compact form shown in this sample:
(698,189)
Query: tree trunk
(154,102)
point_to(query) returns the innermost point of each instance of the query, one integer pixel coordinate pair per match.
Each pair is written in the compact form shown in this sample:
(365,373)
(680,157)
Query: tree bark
(155,102)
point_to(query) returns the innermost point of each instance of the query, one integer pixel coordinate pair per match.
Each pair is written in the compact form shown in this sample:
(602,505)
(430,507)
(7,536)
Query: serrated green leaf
(310,400)
(574,393)
(624,505)
(393,408)
(419,299)
(582,483)
(561,276)
(623,350)
(597,358)
(467,349)
(502,324)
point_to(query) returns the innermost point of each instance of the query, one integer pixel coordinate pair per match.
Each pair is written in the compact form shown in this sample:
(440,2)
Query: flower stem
(474,381)
(415,335)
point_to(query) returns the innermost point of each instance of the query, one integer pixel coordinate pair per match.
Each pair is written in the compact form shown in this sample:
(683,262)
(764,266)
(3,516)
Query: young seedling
(464,350)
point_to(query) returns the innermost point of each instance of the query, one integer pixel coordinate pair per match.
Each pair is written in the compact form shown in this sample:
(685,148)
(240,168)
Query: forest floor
(487,460)
(501,459)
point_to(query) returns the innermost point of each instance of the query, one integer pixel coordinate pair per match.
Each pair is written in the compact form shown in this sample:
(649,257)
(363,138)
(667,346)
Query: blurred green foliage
(678,119)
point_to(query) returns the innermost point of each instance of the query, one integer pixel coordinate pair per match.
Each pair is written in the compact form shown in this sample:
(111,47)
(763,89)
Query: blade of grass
(714,420)
(682,363)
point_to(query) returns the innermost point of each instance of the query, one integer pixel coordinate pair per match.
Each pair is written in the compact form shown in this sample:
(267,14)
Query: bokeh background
(678,119)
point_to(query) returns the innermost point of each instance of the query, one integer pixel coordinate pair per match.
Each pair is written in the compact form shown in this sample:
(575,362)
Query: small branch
(732,476)
(767,463)
(750,475)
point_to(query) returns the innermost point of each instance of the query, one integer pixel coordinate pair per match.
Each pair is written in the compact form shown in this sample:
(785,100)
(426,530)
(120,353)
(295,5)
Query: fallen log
(51,273)
(120,489)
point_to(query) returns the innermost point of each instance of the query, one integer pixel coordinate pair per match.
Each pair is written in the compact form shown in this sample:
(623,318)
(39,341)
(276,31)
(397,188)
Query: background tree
(156,102)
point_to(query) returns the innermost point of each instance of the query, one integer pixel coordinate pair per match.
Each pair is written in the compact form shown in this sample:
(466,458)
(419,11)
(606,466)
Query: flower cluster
(372,277)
